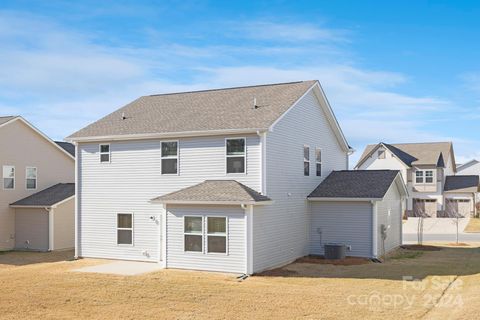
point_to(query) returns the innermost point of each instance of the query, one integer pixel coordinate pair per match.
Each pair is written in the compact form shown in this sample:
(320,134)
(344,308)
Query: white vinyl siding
(391,203)
(349,223)
(281,231)
(232,261)
(134,178)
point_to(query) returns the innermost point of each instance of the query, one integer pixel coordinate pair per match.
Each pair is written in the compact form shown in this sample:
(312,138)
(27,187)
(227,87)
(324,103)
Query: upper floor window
(424,176)
(8,177)
(306,160)
(31,178)
(104,153)
(236,155)
(169,157)
(381,154)
(318,161)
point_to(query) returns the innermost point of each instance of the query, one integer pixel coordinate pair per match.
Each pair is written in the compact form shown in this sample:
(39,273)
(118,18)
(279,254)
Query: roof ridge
(230,88)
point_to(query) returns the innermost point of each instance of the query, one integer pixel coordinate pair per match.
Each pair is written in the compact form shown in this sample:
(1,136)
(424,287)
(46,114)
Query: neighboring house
(470,168)
(31,162)
(211,180)
(428,170)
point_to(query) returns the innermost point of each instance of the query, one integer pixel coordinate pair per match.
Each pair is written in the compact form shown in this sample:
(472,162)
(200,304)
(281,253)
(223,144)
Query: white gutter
(166,135)
(241,203)
(374,229)
(343,199)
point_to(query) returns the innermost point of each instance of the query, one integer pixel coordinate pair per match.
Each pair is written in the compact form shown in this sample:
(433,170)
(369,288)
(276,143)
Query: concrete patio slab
(123,268)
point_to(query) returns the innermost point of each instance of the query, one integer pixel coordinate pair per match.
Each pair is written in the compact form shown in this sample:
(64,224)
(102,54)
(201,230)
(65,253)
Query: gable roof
(195,113)
(67,146)
(48,197)
(4,121)
(468,164)
(215,191)
(456,183)
(356,184)
(412,154)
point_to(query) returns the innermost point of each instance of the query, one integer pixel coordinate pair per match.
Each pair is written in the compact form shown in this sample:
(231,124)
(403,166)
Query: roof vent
(255,106)
(123,116)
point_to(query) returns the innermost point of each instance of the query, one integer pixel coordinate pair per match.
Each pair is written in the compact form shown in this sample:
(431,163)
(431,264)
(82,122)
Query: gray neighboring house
(212,180)
(429,171)
(31,163)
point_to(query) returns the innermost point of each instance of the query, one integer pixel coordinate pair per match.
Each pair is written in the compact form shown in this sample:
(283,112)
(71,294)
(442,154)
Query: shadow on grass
(22,258)
(404,262)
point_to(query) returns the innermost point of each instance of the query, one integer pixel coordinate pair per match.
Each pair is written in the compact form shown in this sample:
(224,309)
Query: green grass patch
(410,254)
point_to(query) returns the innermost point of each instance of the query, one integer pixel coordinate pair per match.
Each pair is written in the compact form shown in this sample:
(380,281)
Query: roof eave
(166,135)
(211,202)
(331,199)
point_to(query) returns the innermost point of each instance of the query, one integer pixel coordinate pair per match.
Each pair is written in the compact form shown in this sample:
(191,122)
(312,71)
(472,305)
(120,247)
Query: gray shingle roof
(428,153)
(461,182)
(48,197)
(369,184)
(70,148)
(220,109)
(213,191)
(6,119)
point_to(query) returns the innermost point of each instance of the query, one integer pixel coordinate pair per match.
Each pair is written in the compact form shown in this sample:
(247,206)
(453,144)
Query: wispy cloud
(62,79)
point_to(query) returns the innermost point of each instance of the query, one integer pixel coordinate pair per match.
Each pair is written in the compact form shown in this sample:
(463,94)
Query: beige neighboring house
(37,191)
(429,171)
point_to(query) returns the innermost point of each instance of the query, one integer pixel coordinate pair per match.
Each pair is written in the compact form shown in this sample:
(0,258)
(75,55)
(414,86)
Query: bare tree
(451,211)
(419,212)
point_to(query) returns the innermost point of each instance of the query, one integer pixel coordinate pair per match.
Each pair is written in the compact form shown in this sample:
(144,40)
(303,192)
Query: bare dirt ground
(42,285)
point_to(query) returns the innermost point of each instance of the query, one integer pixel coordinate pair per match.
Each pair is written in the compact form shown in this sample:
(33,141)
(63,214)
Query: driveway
(438,230)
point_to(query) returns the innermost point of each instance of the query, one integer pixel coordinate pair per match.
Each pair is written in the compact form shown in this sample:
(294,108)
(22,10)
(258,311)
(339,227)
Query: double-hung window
(125,229)
(31,178)
(318,161)
(104,153)
(306,160)
(8,177)
(193,234)
(216,234)
(429,176)
(235,155)
(419,177)
(169,157)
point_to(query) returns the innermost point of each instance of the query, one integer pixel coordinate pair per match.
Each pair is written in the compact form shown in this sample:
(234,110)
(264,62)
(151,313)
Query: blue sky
(394,72)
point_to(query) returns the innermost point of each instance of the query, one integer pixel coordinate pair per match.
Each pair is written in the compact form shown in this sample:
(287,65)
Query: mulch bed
(419,247)
(348,261)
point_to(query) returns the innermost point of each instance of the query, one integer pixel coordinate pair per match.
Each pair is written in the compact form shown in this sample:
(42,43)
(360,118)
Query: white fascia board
(343,199)
(167,135)
(41,134)
(399,181)
(254,203)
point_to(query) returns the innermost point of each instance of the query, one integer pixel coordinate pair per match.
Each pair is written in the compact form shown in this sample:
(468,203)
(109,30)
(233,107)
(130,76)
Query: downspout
(162,246)
(375,230)
(248,238)
(77,203)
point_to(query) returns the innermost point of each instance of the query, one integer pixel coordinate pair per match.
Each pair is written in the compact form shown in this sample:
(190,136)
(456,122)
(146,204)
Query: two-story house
(428,170)
(218,180)
(37,192)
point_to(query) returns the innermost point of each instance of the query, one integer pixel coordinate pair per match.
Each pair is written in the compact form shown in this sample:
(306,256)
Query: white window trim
(194,234)
(236,156)
(424,177)
(102,153)
(303,153)
(117,228)
(14,177)
(318,162)
(26,178)
(217,235)
(170,157)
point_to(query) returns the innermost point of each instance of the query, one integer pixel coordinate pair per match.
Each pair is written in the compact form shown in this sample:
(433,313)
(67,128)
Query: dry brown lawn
(41,285)
(473,225)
